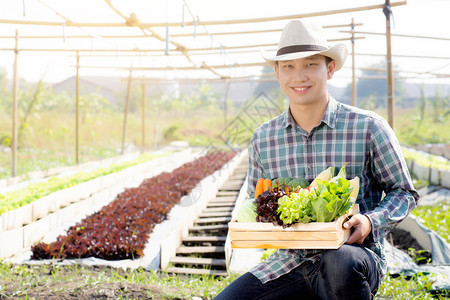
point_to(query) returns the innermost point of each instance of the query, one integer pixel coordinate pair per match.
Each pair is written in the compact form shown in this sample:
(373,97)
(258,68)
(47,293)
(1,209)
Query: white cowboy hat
(301,39)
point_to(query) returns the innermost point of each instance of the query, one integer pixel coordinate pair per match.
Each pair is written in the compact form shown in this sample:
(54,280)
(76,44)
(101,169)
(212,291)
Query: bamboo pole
(402,35)
(15,108)
(390,81)
(143,116)
(77,112)
(202,23)
(353,65)
(133,36)
(127,105)
(181,49)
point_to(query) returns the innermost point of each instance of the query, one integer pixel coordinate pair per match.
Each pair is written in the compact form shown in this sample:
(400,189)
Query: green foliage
(266,253)
(323,204)
(417,287)
(426,160)
(247,211)
(294,183)
(34,191)
(436,218)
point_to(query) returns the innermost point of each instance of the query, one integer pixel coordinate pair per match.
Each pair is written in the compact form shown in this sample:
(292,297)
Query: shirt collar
(329,116)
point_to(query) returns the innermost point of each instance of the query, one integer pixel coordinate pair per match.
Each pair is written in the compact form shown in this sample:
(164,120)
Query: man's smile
(300,89)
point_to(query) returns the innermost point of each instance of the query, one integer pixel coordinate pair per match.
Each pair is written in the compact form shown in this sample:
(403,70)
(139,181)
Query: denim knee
(349,269)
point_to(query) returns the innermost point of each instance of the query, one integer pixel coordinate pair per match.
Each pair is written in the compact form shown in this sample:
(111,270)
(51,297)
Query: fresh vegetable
(354,184)
(294,183)
(295,208)
(267,183)
(267,204)
(342,174)
(247,212)
(331,200)
(259,187)
(323,204)
(324,175)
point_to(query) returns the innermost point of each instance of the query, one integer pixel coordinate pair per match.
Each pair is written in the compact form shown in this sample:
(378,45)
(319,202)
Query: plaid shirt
(281,148)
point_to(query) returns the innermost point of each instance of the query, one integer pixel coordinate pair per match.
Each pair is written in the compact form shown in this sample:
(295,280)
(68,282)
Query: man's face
(304,80)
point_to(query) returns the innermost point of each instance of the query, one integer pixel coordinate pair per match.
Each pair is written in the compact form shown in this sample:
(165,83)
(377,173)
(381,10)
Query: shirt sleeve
(255,170)
(391,174)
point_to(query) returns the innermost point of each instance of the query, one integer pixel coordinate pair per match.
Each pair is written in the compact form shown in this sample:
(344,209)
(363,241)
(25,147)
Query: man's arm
(390,172)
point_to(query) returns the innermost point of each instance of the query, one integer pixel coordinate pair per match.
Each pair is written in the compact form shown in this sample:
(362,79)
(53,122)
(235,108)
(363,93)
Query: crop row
(121,229)
(18,198)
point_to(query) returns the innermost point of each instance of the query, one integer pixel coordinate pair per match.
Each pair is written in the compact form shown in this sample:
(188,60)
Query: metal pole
(143,116)
(390,78)
(353,65)
(127,104)
(15,112)
(77,112)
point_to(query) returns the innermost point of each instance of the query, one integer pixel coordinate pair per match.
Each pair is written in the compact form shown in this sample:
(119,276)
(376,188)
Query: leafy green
(326,203)
(294,183)
(331,200)
(295,208)
(18,198)
(247,212)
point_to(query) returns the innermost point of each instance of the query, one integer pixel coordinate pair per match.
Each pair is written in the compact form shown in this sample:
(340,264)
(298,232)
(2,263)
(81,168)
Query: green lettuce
(247,212)
(325,203)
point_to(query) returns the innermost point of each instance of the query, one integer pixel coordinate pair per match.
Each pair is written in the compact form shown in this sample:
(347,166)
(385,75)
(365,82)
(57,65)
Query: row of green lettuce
(21,197)
(426,159)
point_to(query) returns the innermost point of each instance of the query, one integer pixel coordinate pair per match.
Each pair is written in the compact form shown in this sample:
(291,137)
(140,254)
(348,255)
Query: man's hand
(362,228)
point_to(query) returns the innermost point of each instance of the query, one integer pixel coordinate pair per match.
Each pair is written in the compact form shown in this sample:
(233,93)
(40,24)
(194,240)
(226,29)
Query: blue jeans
(349,272)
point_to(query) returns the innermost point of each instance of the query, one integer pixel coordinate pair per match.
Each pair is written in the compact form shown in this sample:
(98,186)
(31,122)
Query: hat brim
(337,52)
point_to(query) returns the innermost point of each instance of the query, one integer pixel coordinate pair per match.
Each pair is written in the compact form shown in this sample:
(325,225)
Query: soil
(67,282)
(98,282)
(403,240)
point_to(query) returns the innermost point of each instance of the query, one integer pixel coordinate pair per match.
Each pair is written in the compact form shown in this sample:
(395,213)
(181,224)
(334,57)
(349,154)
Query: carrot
(259,187)
(267,184)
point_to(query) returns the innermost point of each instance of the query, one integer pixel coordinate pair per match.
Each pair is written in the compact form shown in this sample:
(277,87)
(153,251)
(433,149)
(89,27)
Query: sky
(417,17)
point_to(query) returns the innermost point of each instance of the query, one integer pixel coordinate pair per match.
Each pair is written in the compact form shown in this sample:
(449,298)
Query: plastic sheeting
(401,263)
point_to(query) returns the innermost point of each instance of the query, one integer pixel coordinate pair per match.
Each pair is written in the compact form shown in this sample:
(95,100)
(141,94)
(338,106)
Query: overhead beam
(179,48)
(206,23)
(399,35)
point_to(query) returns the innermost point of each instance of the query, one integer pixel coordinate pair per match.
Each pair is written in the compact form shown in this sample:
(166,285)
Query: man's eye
(287,66)
(311,64)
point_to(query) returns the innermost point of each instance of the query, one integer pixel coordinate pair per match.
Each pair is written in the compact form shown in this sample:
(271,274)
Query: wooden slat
(198,261)
(209,227)
(287,244)
(224,204)
(196,271)
(231,187)
(218,209)
(204,238)
(269,227)
(215,214)
(223,198)
(227,193)
(213,220)
(285,236)
(200,249)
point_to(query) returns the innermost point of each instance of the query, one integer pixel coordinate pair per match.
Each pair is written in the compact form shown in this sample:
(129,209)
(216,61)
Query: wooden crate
(314,235)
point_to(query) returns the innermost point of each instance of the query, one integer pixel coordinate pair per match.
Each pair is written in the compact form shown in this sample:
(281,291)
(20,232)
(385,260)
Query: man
(314,133)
